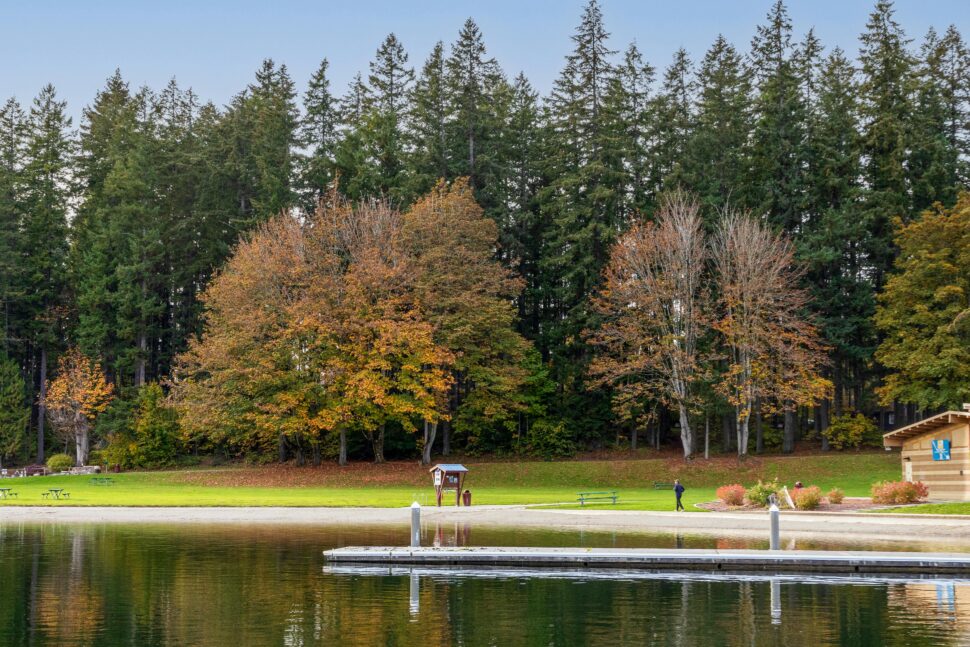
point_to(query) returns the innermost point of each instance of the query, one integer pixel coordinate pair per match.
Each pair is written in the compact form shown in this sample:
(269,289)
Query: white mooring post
(415,525)
(774,514)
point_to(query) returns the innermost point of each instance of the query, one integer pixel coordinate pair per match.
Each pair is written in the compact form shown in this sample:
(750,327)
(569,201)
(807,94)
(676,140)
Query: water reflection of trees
(91,585)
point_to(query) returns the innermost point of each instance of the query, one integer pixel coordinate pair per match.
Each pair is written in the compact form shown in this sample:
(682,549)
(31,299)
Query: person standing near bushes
(678,492)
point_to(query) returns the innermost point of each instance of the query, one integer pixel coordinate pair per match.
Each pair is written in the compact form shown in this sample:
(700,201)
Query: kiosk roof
(449,467)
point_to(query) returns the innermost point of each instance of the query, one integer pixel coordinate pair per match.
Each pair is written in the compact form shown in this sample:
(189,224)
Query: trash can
(466,498)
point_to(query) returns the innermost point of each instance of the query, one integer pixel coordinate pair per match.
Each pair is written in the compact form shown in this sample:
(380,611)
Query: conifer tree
(14,412)
(673,120)
(470,78)
(47,182)
(886,112)
(934,162)
(318,136)
(778,146)
(716,163)
(428,123)
(832,243)
(13,125)
(583,200)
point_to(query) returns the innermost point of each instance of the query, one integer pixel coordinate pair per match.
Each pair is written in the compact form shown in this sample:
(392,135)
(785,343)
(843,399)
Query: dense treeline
(111,235)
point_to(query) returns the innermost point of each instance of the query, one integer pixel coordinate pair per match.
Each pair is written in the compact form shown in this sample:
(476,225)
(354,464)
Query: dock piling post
(774,514)
(415,525)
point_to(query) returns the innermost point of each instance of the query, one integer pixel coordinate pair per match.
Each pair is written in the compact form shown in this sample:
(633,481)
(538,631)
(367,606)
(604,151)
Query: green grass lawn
(957,507)
(398,484)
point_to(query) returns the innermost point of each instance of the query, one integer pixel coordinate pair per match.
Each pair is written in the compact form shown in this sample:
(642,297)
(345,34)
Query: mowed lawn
(491,482)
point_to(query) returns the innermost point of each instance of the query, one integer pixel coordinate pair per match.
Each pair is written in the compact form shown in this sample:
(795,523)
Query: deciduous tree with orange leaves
(75,398)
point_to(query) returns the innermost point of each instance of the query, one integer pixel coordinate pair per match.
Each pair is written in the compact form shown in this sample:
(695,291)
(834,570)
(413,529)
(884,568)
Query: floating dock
(724,561)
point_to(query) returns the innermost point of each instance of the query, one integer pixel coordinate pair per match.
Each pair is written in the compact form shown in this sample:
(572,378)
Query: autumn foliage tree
(924,311)
(773,353)
(655,310)
(75,398)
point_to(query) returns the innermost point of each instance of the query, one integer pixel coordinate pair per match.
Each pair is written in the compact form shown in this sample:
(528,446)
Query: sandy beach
(954,530)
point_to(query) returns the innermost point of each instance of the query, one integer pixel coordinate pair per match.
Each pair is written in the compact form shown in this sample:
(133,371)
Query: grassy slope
(397,484)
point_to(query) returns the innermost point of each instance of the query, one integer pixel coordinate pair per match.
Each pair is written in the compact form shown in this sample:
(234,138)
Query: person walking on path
(678,490)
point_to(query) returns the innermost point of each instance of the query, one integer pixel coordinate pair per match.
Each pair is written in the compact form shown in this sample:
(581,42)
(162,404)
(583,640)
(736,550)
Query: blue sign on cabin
(941,450)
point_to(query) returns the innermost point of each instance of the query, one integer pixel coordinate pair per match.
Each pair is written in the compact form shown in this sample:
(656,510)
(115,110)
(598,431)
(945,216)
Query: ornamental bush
(835,496)
(852,431)
(759,494)
(60,463)
(899,492)
(731,494)
(808,498)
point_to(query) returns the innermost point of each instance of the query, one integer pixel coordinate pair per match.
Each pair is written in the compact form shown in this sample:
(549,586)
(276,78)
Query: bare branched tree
(656,309)
(773,352)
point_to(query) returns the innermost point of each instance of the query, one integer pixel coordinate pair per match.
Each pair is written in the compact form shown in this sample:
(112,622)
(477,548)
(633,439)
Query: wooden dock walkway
(746,561)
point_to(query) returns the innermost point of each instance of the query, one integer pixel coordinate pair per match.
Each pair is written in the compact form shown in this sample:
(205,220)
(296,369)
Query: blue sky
(215,46)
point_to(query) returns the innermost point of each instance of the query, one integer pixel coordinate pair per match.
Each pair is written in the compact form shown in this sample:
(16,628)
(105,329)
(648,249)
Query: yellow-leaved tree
(75,398)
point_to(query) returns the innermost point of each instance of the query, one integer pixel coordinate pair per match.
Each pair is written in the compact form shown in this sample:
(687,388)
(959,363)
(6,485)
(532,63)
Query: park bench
(584,497)
(661,485)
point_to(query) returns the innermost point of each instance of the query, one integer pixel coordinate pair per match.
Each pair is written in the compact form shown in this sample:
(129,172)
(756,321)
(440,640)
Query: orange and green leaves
(924,311)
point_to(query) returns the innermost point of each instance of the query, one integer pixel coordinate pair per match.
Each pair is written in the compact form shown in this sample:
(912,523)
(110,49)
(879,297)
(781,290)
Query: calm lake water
(145,585)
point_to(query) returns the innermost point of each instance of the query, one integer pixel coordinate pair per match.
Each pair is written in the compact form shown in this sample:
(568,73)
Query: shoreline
(806,525)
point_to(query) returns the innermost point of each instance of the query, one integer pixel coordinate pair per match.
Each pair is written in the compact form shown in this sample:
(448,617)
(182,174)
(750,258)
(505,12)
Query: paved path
(840,526)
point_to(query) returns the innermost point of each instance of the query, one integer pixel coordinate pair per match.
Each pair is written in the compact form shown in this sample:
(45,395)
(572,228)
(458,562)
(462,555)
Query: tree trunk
(430,431)
(823,423)
(707,437)
(633,437)
(788,438)
(317,459)
(342,456)
(446,439)
(81,442)
(759,429)
(377,443)
(742,420)
(42,406)
(281,446)
(686,436)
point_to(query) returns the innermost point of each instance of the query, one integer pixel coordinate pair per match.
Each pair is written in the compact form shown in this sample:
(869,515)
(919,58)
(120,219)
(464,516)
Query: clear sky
(215,46)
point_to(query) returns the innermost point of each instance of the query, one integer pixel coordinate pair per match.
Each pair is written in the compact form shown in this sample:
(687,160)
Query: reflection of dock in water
(938,596)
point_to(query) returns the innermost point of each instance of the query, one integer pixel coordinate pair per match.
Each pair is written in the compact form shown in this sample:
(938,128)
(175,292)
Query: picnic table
(56,493)
(102,480)
(6,493)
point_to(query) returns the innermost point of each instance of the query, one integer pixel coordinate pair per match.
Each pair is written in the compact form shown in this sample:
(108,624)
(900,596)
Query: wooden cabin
(936,451)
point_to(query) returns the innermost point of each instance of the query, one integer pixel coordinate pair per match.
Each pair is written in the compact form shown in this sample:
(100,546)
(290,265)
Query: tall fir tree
(13,127)
(673,123)
(832,244)
(584,201)
(778,143)
(318,137)
(428,123)
(886,113)
(716,160)
(47,191)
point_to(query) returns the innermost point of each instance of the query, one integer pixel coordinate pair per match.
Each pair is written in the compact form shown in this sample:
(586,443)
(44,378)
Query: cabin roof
(895,438)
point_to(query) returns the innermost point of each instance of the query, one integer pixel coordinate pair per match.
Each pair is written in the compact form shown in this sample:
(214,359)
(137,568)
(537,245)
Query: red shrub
(899,492)
(731,494)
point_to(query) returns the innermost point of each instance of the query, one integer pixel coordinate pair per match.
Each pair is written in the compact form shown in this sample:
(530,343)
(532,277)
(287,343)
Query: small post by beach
(415,525)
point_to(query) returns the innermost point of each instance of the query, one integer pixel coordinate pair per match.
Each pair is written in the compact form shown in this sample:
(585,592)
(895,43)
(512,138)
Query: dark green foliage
(13,409)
